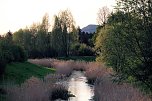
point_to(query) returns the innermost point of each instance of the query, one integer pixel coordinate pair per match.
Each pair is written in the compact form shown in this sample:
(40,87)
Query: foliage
(19,53)
(81,50)
(86,38)
(85,50)
(40,43)
(65,31)
(9,52)
(2,62)
(125,42)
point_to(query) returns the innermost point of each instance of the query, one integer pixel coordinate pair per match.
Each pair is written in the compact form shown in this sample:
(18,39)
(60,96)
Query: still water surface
(77,86)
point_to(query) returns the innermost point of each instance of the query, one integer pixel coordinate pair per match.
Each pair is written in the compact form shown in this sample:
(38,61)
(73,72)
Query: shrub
(6,50)
(2,62)
(12,52)
(85,50)
(19,53)
(59,92)
(9,52)
(74,49)
(81,50)
(23,54)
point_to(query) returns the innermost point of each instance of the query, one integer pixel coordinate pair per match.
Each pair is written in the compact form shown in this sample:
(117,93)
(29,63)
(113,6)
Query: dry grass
(95,70)
(35,89)
(32,90)
(62,67)
(43,62)
(106,90)
(66,67)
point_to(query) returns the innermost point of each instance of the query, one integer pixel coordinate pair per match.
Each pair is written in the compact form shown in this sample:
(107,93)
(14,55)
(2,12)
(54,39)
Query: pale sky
(16,14)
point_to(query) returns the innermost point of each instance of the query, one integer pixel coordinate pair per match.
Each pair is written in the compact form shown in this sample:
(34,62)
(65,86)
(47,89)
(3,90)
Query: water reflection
(79,87)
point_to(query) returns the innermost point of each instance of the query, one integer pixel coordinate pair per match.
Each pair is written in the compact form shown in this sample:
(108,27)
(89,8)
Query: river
(77,86)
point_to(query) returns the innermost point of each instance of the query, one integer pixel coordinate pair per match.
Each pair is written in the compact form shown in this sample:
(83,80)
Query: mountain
(90,28)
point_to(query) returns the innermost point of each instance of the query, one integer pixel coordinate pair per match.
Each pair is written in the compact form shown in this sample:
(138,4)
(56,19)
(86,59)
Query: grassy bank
(78,58)
(19,72)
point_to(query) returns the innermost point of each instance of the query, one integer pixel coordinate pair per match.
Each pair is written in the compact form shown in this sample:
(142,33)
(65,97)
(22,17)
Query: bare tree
(102,15)
(66,18)
(45,23)
(68,26)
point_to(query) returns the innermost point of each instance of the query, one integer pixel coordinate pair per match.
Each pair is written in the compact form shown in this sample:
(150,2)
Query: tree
(63,33)
(45,23)
(68,25)
(42,34)
(40,43)
(23,38)
(35,40)
(10,52)
(125,42)
(102,15)
(56,36)
(66,19)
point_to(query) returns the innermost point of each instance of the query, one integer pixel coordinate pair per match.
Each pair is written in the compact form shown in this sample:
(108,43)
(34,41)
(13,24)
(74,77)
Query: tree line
(125,42)
(61,41)
(38,41)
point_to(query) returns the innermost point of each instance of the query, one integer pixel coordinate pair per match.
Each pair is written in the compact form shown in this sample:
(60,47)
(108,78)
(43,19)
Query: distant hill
(90,28)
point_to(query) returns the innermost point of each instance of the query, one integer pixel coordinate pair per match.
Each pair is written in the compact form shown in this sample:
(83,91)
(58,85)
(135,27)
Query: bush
(6,50)
(12,52)
(59,92)
(74,49)
(9,52)
(85,50)
(2,63)
(81,50)
(19,53)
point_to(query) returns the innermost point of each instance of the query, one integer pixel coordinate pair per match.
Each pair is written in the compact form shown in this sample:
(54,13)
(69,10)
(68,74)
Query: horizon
(16,14)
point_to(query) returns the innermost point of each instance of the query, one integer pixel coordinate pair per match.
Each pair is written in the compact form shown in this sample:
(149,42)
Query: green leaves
(125,42)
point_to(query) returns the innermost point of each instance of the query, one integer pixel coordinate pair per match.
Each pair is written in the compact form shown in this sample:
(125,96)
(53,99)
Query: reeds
(106,90)
(99,75)
(43,62)
(35,89)
(95,70)
(62,67)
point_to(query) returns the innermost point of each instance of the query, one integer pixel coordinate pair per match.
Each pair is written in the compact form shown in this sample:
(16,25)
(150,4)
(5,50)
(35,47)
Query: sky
(16,14)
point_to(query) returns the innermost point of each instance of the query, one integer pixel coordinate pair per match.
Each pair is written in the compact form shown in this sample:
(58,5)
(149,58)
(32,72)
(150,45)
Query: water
(77,86)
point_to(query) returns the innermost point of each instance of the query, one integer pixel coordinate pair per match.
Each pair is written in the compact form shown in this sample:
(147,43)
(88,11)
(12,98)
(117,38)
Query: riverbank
(100,76)
(48,88)
(17,73)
